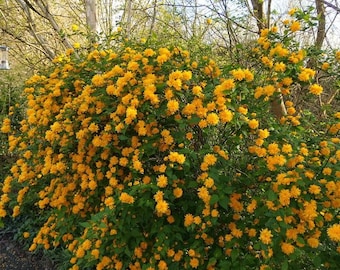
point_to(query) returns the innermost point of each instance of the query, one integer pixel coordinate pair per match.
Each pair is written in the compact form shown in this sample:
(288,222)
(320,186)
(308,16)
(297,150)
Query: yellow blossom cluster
(143,158)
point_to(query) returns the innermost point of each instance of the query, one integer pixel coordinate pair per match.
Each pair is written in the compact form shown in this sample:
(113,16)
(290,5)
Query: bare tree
(91,18)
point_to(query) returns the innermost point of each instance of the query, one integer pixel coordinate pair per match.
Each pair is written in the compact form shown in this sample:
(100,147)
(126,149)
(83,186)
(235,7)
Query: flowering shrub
(145,158)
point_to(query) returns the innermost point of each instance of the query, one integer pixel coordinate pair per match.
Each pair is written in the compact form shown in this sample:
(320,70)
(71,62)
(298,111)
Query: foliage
(145,158)
(10,107)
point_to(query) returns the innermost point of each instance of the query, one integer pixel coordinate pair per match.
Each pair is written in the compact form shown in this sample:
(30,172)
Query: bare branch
(337,9)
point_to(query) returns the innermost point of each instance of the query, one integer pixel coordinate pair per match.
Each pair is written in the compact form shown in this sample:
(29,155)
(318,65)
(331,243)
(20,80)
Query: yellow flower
(162,181)
(280,67)
(242,110)
(287,148)
(337,55)
(295,26)
(80,253)
(210,159)
(325,66)
(309,212)
(149,52)
(306,74)
(194,263)
(266,61)
(178,192)
(203,194)
(98,80)
(186,75)
(314,189)
(252,206)
(197,220)
(209,182)
(86,244)
(292,234)
(333,232)
(264,32)
(16,211)
(263,133)
(162,265)
(176,157)
(287,81)
(265,236)
(173,106)
(209,21)
(126,198)
(212,119)
(6,125)
(252,232)
(131,113)
(188,220)
(158,196)
(268,90)
(225,116)
(249,76)
(95,253)
(162,207)
(253,124)
(238,74)
(138,166)
(92,185)
(214,213)
(123,161)
(316,89)
(273,149)
(228,84)
(287,248)
(234,202)
(109,202)
(93,127)
(284,197)
(295,192)
(327,171)
(313,242)
(292,11)
(75,27)
(161,59)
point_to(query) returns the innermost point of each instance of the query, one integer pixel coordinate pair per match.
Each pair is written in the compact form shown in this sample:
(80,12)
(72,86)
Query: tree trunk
(320,37)
(91,18)
(128,18)
(258,13)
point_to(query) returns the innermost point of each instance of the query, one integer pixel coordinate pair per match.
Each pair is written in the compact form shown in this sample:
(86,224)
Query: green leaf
(214,199)
(225,265)
(271,195)
(123,137)
(224,203)
(85,224)
(228,190)
(212,261)
(284,265)
(300,240)
(317,261)
(234,254)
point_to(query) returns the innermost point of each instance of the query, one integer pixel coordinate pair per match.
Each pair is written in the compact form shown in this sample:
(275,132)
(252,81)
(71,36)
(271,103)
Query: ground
(14,257)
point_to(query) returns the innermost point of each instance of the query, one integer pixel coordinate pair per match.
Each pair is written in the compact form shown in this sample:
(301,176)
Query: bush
(146,158)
